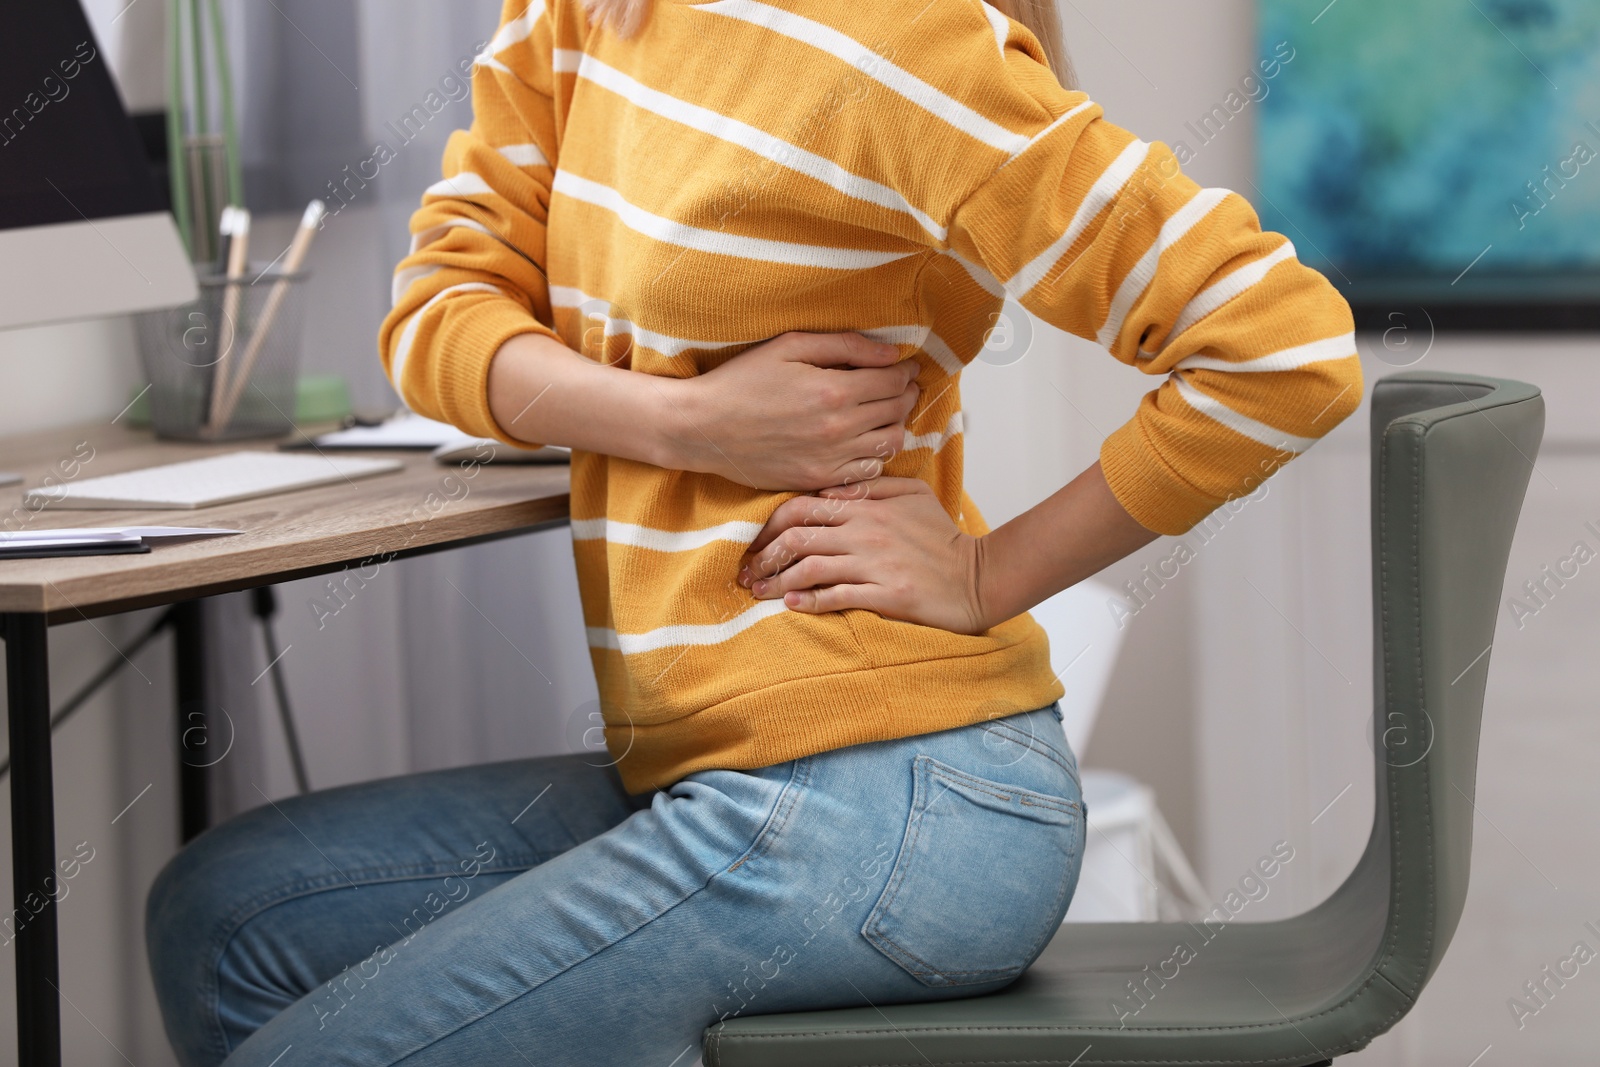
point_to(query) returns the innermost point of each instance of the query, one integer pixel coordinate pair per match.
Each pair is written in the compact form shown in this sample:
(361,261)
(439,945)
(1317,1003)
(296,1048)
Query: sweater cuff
(1156,496)
(472,341)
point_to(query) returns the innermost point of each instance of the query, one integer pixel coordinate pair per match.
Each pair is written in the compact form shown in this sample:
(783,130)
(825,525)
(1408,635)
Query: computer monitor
(83,230)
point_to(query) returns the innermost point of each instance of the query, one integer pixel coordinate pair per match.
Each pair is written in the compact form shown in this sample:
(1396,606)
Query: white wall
(128,33)
(59,375)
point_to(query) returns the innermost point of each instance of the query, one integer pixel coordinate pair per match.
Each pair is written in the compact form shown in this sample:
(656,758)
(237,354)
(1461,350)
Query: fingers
(881,445)
(872,451)
(834,598)
(797,511)
(890,412)
(796,543)
(837,350)
(850,477)
(831,506)
(808,573)
(876,489)
(913,392)
(864,387)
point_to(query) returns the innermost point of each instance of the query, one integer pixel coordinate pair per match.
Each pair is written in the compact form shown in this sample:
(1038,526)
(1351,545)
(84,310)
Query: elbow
(1339,388)
(1342,380)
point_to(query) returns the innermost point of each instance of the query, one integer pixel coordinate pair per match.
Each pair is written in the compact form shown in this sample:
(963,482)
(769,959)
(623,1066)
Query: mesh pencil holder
(224,366)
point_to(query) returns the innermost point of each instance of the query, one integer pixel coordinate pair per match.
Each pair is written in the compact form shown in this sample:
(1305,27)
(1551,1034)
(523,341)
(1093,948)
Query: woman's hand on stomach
(886,545)
(794,414)
(784,416)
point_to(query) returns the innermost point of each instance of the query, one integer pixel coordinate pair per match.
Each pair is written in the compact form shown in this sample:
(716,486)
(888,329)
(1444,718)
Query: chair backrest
(1451,458)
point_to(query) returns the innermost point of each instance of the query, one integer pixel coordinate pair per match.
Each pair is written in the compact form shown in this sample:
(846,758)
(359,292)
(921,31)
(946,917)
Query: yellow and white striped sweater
(744,168)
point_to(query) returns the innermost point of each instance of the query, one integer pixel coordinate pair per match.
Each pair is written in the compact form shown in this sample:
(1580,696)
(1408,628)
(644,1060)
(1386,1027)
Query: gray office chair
(1451,458)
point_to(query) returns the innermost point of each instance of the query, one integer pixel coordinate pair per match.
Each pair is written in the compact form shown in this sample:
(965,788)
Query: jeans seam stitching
(690,895)
(1061,891)
(1044,748)
(799,772)
(366,875)
(956,777)
(901,867)
(301,887)
(926,764)
(799,777)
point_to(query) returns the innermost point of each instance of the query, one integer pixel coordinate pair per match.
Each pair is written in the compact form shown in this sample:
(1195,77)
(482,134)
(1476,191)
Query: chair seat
(1277,985)
(1223,991)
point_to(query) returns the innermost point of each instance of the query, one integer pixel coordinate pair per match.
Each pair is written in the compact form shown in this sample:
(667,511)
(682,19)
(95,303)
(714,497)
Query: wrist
(983,594)
(671,408)
(998,586)
(677,419)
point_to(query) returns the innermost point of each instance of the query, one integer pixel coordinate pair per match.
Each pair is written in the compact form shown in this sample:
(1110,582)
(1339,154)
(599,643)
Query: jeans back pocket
(982,879)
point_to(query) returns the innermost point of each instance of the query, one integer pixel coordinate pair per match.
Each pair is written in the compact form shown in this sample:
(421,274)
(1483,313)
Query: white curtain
(459,657)
(413,53)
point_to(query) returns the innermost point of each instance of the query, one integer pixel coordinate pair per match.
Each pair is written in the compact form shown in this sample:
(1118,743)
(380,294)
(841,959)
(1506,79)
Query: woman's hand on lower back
(785,415)
(889,546)
(886,545)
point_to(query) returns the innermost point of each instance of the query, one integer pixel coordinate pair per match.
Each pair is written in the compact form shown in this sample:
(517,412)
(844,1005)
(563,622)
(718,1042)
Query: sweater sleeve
(475,276)
(1102,235)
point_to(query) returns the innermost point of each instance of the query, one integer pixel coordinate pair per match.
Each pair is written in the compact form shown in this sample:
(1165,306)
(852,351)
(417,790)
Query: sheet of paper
(406,430)
(488,450)
(9,479)
(157,533)
(110,533)
(12,541)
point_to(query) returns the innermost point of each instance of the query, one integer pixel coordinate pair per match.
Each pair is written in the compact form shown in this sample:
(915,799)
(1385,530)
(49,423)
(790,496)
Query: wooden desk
(367,522)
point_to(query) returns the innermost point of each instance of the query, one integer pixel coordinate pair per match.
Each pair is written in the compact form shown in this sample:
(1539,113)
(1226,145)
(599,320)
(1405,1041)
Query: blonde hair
(1043,20)
(626,17)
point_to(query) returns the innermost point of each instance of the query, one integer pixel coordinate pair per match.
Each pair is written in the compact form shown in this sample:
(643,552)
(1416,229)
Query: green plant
(206,171)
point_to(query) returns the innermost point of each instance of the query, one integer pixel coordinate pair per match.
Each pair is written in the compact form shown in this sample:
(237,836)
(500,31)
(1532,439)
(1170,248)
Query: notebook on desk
(54,549)
(202,483)
(97,540)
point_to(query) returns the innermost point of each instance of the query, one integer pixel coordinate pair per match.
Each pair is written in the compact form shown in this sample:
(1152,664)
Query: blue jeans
(531,911)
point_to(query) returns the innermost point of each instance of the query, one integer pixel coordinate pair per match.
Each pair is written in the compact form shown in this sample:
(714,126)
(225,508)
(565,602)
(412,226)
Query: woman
(773,232)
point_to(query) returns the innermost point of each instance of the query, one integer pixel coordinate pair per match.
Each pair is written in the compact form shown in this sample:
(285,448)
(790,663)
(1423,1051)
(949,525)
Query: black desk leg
(194,779)
(33,841)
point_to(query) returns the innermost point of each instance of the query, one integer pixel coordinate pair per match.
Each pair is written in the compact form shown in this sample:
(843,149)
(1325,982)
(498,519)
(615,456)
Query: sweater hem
(807,716)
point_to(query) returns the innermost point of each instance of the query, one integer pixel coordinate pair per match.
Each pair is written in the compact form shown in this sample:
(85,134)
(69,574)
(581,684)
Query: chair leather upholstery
(1451,459)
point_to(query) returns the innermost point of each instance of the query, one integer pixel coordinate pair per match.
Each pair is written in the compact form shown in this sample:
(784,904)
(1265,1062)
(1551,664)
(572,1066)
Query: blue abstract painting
(1426,137)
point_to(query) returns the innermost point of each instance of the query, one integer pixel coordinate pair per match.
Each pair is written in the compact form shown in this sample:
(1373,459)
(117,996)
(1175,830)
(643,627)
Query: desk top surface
(287,535)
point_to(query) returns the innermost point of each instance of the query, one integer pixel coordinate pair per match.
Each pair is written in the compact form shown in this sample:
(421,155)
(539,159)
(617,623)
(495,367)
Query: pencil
(293,260)
(236,231)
